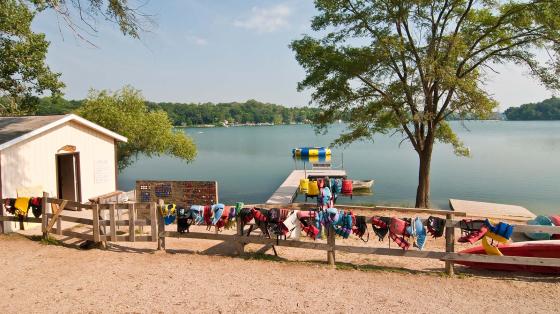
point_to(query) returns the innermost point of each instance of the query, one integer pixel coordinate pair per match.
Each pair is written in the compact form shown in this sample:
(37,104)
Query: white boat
(362,184)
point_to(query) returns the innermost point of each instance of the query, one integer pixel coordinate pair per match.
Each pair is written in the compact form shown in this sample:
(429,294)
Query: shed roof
(16,129)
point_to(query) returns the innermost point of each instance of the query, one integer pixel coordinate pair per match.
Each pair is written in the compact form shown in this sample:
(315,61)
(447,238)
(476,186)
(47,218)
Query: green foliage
(250,111)
(148,132)
(23,72)
(411,64)
(185,114)
(548,109)
(125,13)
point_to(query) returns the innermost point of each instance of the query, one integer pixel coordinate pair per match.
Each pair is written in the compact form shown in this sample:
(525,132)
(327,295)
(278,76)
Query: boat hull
(546,249)
(362,184)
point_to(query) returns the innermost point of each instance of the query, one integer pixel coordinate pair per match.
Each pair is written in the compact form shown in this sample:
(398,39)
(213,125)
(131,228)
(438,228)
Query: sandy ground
(193,276)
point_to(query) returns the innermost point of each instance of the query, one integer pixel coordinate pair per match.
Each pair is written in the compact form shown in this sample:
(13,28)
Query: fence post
(331,241)
(2,214)
(95,218)
(449,245)
(59,222)
(153,222)
(44,213)
(113,224)
(161,227)
(240,245)
(131,223)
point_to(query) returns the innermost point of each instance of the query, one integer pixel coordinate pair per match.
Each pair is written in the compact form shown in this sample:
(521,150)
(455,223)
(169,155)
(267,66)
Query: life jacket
(22,206)
(344,225)
(217,211)
(184,220)
(417,231)
(472,230)
(197,213)
(313,189)
(246,215)
(380,226)
(303,185)
(309,228)
(207,215)
(500,232)
(168,212)
(36,204)
(360,228)
(347,186)
(326,198)
(331,217)
(219,216)
(436,226)
(259,214)
(397,232)
(336,185)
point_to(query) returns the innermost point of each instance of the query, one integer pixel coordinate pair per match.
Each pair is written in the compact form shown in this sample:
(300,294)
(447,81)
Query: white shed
(68,156)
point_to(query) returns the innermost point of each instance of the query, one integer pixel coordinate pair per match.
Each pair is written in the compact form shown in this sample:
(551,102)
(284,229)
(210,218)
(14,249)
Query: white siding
(33,162)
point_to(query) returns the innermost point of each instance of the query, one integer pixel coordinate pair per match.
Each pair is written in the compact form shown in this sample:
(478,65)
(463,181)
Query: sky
(214,51)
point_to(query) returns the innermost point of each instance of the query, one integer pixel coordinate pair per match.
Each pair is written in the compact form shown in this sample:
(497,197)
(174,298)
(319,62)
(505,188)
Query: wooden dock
(287,191)
(491,210)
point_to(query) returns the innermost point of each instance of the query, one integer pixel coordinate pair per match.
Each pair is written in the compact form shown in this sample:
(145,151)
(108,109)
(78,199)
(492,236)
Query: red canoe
(547,249)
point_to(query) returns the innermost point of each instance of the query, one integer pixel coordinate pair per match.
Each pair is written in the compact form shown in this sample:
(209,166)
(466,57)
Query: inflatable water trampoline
(311,151)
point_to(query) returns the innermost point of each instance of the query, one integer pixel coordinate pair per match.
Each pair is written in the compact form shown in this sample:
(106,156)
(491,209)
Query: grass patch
(262,257)
(48,241)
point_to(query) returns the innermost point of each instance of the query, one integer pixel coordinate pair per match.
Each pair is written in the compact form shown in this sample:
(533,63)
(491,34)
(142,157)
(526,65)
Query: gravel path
(46,279)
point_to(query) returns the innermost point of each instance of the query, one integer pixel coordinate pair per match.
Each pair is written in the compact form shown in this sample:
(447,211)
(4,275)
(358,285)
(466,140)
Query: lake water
(511,162)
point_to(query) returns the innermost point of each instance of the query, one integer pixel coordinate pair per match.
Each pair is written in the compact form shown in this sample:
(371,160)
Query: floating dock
(491,210)
(287,191)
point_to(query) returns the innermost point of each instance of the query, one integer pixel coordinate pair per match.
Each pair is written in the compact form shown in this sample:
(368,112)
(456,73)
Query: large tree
(148,132)
(406,65)
(23,71)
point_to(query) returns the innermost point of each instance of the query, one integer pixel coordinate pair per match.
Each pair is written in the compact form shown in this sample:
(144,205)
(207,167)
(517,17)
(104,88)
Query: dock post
(449,245)
(331,241)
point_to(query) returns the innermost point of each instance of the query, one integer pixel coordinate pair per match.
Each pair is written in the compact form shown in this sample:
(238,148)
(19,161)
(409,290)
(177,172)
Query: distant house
(67,156)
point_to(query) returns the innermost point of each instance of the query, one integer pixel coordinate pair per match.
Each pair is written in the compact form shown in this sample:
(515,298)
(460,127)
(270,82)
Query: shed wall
(33,162)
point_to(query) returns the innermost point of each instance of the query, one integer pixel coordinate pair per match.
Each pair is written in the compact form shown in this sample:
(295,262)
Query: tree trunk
(423,191)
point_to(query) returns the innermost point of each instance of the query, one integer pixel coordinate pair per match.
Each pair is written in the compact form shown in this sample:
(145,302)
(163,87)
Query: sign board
(183,193)
(102,171)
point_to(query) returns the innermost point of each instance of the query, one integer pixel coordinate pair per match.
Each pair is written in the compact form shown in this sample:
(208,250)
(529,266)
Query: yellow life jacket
(313,188)
(22,206)
(303,185)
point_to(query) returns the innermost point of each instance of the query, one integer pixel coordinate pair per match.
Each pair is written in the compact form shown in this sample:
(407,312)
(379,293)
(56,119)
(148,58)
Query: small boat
(362,184)
(311,151)
(546,249)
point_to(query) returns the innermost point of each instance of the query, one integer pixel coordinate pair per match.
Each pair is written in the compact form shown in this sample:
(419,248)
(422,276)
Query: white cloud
(266,20)
(199,41)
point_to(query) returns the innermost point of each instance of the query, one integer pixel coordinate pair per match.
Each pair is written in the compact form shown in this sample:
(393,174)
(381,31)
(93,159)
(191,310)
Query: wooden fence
(240,239)
(97,228)
(147,214)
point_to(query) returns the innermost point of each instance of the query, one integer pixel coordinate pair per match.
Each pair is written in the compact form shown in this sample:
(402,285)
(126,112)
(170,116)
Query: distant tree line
(548,109)
(189,114)
(251,111)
